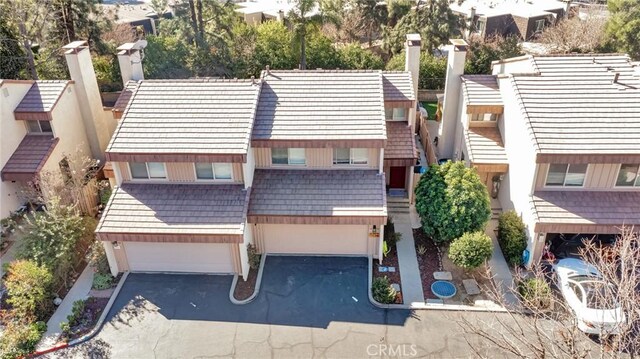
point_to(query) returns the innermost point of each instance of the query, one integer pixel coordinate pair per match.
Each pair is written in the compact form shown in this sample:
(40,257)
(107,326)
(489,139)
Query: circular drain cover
(443,289)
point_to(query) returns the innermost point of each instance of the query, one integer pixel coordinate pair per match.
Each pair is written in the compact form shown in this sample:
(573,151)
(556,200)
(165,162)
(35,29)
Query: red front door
(398,177)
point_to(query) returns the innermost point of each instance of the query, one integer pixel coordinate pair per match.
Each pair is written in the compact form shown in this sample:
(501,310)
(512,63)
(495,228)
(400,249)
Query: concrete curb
(255,290)
(425,306)
(95,329)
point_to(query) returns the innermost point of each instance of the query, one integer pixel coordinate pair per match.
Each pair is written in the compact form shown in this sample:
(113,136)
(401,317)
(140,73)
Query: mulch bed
(391,260)
(245,288)
(428,263)
(92,311)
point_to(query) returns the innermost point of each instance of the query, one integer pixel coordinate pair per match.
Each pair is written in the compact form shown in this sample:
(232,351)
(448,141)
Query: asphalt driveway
(307,306)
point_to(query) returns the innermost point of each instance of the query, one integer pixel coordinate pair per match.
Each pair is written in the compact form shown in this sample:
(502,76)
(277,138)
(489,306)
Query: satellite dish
(141,44)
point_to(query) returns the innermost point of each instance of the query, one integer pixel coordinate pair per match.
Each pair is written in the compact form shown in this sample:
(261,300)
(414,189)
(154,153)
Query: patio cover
(28,159)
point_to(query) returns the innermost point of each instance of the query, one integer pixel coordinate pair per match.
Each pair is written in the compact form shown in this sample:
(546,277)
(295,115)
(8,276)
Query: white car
(583,288)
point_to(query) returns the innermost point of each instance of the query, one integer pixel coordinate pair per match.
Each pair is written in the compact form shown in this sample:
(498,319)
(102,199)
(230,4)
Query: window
(147,170)
(395,113)
(628,176)
(539,25)
(570,175)
(211,171)
(484,117)
(288,156)
(39,126)
(353,156)
(481,26)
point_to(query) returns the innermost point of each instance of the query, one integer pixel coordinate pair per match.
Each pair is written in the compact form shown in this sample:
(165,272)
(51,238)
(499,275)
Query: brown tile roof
(40,98)
(318,193)
(400,142)
(481,90)
(184,209)
(397,86)
(604,211)
(197,116)
(484,145)
(27,160)
(125,96)
(320,105)
(573,106)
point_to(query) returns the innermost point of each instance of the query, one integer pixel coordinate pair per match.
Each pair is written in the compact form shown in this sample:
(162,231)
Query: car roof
(577,266)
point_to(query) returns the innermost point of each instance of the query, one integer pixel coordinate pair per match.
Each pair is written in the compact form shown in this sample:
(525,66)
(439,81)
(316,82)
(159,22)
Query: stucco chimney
(130,62)
(78,59)
(457,52)
(412,64)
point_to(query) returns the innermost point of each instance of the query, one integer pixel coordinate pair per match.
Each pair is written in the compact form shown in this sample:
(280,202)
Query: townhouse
(554,137)
(295,162)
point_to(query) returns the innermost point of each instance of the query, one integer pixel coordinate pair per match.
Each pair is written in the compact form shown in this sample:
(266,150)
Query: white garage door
(315,239)
(179,257)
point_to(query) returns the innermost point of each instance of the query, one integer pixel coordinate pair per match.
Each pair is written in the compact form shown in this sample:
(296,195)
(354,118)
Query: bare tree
(575,35)
(543,325)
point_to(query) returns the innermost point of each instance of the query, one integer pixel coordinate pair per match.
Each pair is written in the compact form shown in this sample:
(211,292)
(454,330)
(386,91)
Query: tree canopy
(623,27)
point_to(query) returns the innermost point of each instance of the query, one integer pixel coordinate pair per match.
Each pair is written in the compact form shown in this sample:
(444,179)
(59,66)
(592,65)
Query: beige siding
(374,158)
(319,157)
(315,157)
(262,157)
(124,171)
(599,176)
(180,172)
(237,172)
(317,239)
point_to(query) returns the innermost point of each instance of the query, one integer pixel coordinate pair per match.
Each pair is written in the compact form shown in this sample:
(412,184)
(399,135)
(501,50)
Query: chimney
(80,67)
(281,16)
(130,61)
(457,52)
(412,64)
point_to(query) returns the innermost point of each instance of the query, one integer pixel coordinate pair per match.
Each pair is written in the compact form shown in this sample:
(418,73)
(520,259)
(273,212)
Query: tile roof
(125,96)
(320,105)
(27,160)
(397,86)
(608,208)
(573,106)
(481,90)
(318,193)
(40,98)
(196,116)
(165,208)
(484,145)
(401,143)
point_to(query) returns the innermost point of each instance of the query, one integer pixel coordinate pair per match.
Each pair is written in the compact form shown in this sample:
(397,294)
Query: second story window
(569,175)
(288,156)
(628,176)
(39,126)
(350,156)
(539,25)
(396,113)
(213,171)
(147,170)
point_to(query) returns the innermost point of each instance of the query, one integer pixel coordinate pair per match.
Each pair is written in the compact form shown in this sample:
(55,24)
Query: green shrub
(512,237)
(254,256)
(98,258)
(28,287)
(20,339)
(471,250)
(382,290)
(77,312)
(66,328)
(102,281)
(452,200)
(391,237)
(105,195)
(535,293)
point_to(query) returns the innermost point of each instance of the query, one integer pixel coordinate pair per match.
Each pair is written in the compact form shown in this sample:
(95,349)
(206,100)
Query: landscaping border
(255,290)
(95,329)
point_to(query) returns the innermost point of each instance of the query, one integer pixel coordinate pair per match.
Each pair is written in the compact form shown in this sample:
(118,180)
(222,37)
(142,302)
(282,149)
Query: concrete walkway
(80,290)
(408,262)
(500,269)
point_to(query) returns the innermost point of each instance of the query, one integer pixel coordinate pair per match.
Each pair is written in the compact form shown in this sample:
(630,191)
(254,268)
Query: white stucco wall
(248,168)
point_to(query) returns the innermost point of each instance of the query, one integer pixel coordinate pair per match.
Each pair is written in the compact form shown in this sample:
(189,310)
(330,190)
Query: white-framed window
(350,156)
(148,170)
(568,175)
(628,175)
(540,25)
(484,117)
(213,171)
(35,126)
(395,113)
(480,26)
(288,156)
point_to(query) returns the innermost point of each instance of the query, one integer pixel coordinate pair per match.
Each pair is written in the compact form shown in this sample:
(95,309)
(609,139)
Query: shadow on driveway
(295,291)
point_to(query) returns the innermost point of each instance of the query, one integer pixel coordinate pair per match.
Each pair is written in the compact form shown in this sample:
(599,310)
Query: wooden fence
(423,131)
(87,198)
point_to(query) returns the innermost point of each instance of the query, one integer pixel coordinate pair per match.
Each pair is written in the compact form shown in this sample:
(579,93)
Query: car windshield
(600,295)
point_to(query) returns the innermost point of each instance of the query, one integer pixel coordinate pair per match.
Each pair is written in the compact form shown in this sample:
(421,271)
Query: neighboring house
(256,12)
(42,121)
(520,18)
(293,162)
(557,138)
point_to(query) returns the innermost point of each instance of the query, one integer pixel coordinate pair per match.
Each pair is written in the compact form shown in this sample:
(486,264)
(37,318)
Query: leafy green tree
(274,46)
(452,200)
(471,250)
(320,51)
(354,57)
(107,72)
(623,27)
(12,59)
(397,9)
(28,285)
(372,16)
(432,73)
(482,52)
(165,57)
(298,18)
(243,48)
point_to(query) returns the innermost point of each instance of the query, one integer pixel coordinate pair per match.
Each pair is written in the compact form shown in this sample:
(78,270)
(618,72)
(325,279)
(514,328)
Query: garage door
(179,257)
(315,239)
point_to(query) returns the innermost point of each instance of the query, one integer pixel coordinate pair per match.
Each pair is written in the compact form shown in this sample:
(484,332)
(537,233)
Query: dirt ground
(245,288)
(480,274)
